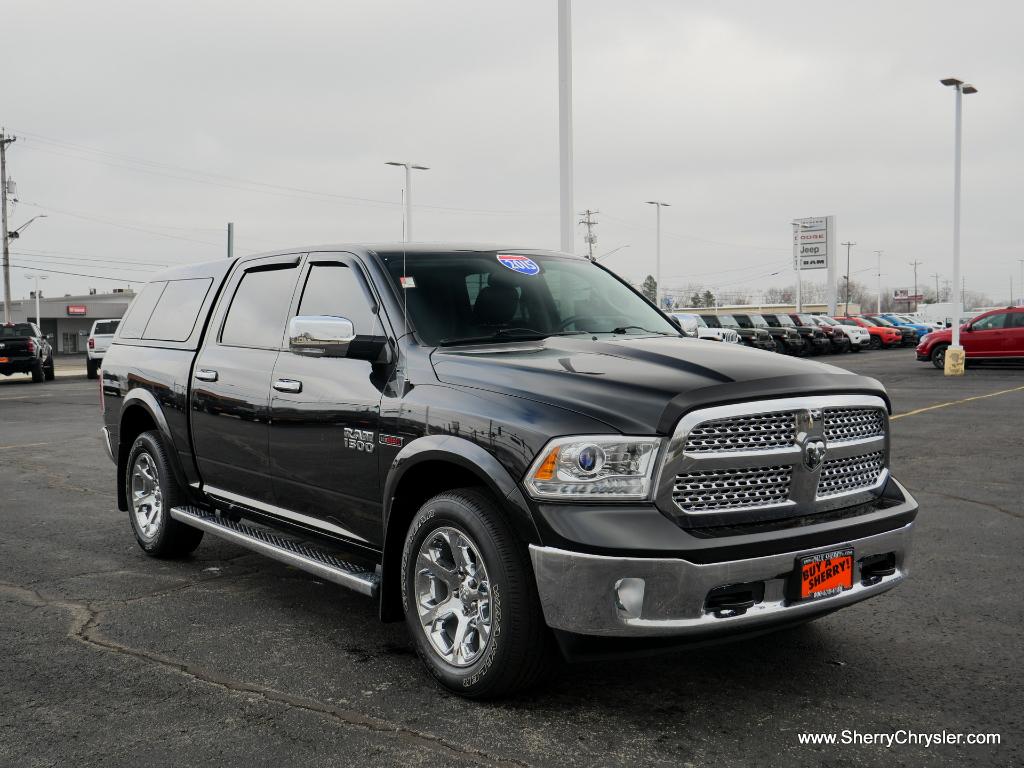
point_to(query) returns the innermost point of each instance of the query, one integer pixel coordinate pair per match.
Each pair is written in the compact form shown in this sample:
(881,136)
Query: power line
(115,278)
(77,262)
(69,256)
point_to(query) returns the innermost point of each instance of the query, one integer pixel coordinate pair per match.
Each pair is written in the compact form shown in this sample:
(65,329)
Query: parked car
(882,336)
(758,338)
(908,334)
(694,326)
(859,337)
(837,341)
(100,336)
(729,334)
(815,341)
(788,341)
(923,329)
(25,349)
(994,335)
(511,451)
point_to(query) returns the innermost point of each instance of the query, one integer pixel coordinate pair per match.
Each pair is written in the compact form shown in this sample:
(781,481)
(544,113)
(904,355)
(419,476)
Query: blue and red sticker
(521,264)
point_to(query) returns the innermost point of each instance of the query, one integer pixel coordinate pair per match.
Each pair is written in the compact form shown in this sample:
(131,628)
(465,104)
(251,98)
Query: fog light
(629,597)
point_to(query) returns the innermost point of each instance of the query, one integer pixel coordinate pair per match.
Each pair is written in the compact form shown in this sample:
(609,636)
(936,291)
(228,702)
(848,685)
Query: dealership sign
(77,309)
(904,294)
(811,241)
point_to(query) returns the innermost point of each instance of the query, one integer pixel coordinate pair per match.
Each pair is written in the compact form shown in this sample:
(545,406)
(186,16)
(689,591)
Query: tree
(707,299)
(650,288)
(695,300)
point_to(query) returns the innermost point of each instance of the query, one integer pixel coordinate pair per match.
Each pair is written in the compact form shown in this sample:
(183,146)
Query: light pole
(1020,285)
(954,364)
(658,205)
(878,276)
(409,168)
(8,236)
(37,277)
(848,245)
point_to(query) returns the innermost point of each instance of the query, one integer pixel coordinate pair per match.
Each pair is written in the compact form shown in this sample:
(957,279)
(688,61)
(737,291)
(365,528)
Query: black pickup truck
(25,349)
(511,450)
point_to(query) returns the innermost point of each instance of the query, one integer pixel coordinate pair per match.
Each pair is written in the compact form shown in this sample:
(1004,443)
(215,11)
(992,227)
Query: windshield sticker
(407,282)
(520,264)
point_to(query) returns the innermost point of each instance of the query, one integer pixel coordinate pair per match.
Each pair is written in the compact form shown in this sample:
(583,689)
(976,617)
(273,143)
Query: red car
(994,335)
(881,335)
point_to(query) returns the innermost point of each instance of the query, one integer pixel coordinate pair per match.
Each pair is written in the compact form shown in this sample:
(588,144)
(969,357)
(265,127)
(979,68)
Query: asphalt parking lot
(110,658)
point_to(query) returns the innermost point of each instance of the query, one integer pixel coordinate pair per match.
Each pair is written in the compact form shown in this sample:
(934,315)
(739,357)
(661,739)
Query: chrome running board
(272,544)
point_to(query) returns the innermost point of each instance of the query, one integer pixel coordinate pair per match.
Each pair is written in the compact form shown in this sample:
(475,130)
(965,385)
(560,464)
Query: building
(67,320)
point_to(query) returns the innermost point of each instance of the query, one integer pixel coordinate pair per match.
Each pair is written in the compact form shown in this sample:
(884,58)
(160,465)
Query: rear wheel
(152,491)
(469,598)
(49,372)
(91,368)
(938,356)
(37,372)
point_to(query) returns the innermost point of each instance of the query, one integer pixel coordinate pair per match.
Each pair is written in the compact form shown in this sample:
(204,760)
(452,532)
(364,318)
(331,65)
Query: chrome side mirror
(320,335)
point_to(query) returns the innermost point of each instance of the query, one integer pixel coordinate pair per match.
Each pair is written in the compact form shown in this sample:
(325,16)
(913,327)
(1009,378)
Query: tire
(938,356)
(49,372)
(151,491)
(91,369)
(876,342)
(468,521)
(37,372)
(855,348)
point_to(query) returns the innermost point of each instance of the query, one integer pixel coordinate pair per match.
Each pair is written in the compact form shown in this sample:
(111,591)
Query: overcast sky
(143,127)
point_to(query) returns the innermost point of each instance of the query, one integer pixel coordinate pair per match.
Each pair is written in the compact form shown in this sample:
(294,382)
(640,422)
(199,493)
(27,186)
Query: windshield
(18,329)
(806,320)
(879,321)
(785,320)
(480,296)
(711,321)
(751,321)
(728,321)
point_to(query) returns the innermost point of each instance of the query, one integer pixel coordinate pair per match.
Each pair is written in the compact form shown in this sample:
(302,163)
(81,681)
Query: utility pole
(591,238)
(946,290)
(878,307)
(848,245)
(936,275)
(915,264)
(1020,284)
(231,239)
(4,141)
(657,253)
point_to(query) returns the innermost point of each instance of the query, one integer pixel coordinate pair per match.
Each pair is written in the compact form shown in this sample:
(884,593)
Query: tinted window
(138,313)
(258,310)
(1016,320)
(990,323)
(107,327)
(338,291)
(18,329)
(176,312)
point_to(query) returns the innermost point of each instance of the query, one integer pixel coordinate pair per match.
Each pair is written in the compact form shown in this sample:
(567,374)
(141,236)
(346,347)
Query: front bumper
(579,592)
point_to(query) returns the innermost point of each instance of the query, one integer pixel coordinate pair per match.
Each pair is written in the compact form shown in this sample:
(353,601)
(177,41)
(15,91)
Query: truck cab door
(325,411)
(230,388)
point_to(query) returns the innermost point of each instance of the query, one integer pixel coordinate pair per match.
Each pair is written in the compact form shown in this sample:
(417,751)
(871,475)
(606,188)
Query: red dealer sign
(77,309)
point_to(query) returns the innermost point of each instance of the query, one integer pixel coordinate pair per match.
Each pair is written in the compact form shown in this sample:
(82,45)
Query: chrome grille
(853,423)
(715,490)
(758,432)
(850,474)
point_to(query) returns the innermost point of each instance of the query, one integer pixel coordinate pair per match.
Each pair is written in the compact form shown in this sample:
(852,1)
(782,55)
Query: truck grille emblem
(814,454)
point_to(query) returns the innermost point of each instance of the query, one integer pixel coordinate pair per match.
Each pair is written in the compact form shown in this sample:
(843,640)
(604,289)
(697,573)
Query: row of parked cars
(800,333)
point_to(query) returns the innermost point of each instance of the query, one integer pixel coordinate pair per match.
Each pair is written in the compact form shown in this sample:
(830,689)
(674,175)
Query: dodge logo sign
(814,454)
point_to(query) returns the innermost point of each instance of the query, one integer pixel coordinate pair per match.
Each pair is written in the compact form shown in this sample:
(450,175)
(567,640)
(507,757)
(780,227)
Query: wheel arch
(428,466)
(140,413)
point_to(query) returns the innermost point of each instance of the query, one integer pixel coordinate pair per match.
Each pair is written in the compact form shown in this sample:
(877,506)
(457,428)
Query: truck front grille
(853,423)
(745,433)
(763,460)
(849,474)
(731,488)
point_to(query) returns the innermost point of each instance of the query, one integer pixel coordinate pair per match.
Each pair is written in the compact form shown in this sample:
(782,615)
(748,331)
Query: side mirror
(320,335)
(327,336)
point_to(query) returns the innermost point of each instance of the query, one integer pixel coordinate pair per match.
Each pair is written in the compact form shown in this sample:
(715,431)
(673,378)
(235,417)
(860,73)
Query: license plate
(826,574)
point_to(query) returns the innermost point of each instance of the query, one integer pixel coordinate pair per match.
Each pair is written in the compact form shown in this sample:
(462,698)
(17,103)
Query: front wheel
(938,356)
(876,342)
(469,598)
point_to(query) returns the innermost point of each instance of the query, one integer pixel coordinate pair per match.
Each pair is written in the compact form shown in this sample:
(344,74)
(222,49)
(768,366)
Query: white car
(695,327)
(100,336)
(860,338)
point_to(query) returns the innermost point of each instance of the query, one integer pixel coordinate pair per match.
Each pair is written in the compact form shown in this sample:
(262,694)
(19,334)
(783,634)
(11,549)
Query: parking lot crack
(85,617)
(952,497)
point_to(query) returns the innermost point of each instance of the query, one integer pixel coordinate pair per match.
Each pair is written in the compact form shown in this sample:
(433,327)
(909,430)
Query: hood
(637,385)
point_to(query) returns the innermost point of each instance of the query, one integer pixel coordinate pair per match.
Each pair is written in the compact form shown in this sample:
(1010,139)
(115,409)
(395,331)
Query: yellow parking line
(956,402)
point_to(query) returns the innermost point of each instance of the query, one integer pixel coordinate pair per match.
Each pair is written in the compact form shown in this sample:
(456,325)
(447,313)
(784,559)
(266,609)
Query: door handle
(206,374)
(288,385)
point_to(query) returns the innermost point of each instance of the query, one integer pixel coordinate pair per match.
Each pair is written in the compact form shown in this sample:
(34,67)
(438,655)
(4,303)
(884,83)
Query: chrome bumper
(578,592)
(106,444)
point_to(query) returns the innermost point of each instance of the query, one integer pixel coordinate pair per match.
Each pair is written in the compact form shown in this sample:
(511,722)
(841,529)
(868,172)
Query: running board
(279,547)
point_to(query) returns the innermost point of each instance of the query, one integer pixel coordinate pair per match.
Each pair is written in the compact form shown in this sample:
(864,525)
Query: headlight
(603,466)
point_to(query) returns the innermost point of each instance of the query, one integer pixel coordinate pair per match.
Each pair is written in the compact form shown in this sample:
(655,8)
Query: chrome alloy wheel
(147,499)
(453,596)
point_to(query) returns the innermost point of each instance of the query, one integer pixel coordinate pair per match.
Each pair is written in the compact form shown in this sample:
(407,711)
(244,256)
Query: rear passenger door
(230,401)
(325,411)
(1015,334)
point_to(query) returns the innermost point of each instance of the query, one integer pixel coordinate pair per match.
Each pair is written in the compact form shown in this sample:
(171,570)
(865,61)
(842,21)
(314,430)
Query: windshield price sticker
(407,282)
(521,264)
